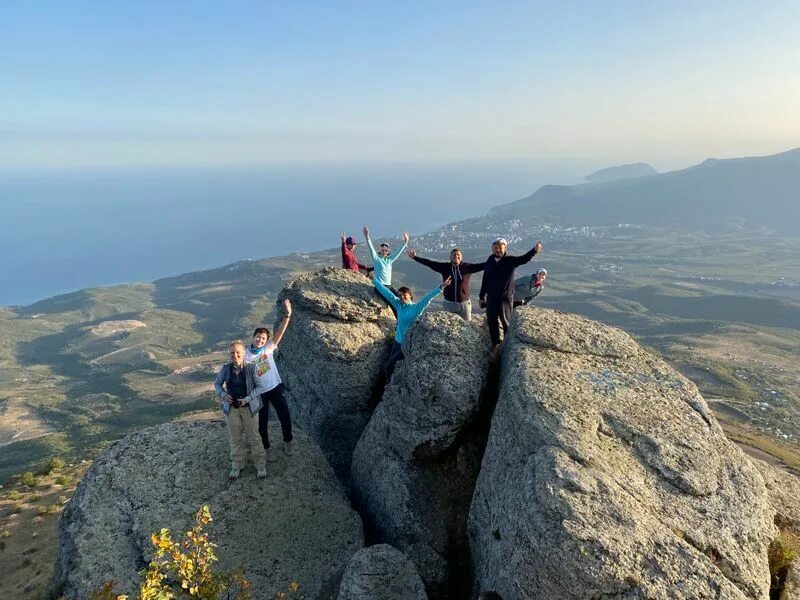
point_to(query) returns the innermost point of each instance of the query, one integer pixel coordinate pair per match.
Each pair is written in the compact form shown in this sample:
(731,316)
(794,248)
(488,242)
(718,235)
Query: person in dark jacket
(528,287)
(456,295)
(497,287)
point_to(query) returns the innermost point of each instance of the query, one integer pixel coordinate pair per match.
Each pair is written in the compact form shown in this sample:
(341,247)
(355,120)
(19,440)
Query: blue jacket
(253,399)
(406,313)
(383,264)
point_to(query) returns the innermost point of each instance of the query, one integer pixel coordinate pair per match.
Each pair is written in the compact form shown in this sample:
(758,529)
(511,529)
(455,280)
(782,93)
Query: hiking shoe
(271,456)
(261,473)
(288,448)
(234,473)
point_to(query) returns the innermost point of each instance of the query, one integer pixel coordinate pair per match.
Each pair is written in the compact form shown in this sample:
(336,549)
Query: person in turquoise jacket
(382,259)
(407,312)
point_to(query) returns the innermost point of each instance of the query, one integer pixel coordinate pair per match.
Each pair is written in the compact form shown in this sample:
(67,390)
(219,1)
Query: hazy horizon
(134,84)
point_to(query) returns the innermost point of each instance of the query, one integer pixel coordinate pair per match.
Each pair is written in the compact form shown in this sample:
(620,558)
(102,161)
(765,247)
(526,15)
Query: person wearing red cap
(349,258)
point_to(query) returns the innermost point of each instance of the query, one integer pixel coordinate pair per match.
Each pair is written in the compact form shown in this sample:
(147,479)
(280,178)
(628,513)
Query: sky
(200,83)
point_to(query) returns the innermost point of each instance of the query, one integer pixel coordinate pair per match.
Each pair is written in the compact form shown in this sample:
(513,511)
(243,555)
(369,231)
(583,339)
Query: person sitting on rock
(382,261)
(497,287)
(349,258)
(241,402)
(407,312)
(456,295)
(528,287)
(260,353)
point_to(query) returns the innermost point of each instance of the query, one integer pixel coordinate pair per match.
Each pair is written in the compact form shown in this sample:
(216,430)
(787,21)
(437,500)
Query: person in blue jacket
(407,312)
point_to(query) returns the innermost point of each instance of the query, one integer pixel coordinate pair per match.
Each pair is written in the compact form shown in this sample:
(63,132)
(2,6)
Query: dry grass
(29,531)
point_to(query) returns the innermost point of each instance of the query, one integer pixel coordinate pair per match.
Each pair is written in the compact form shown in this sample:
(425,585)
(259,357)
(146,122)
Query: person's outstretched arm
(428,298)
(524,258)
(287,314)
(387,293)
(472,267)
(369,243)
(344,250)
(431,264)
(394,256)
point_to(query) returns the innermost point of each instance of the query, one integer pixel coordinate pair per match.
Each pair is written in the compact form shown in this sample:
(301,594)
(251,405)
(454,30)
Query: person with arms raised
(497,287)
(407,312)
(456,295)
(260,354)
(349,258)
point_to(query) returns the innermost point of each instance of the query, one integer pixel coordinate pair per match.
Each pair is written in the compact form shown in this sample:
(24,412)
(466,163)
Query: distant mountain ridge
(628,171)
(752,191)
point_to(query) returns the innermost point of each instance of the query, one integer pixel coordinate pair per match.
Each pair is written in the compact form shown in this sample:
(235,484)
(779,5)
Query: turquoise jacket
(406,313)
(383,264)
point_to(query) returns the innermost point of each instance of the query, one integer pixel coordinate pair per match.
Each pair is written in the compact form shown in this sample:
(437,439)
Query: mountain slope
(756,191)
(621,172)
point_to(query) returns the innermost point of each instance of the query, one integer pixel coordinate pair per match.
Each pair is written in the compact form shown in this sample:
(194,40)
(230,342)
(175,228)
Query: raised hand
(538,247)
(366,232)
(287,308)
(446,282)
(411,253)
(405,237)
(344,237)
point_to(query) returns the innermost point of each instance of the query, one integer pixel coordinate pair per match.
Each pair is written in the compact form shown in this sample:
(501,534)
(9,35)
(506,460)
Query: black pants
(385,301)
(394,355)
(276,398)
(498,309)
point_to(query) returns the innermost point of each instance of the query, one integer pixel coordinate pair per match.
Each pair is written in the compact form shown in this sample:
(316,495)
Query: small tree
(184,570)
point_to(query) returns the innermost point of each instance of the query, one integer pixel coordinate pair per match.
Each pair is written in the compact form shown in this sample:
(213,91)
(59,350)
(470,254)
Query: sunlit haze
(86,84)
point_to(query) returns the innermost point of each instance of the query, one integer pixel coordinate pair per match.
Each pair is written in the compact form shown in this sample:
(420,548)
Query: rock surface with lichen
(606,475)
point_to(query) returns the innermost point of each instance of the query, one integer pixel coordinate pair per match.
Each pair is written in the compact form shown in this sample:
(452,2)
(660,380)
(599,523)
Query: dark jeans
(276,398)
(394,355)
(394,291)
(498,309)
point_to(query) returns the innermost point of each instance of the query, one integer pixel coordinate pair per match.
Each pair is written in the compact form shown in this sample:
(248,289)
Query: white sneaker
(288,448)
(234,473)
(271,456)
(261,473)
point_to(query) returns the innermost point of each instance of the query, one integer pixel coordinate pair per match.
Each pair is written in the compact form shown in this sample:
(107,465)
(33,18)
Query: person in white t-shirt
(260,352)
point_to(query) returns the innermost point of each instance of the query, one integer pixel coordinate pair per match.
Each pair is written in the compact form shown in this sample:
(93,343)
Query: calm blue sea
(63,231)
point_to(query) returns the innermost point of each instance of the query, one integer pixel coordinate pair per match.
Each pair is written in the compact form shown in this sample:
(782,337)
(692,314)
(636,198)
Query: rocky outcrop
(415,466)
(784,494)
(294,526)
(605,475)
(332,356)
(381,573)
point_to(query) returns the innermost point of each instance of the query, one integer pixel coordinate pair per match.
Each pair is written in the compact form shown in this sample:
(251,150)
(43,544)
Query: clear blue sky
(212,83)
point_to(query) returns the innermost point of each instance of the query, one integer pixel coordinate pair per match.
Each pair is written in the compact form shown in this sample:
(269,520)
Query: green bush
(55,464)
(783,550)
(63,480)
(34,497)
(14,495)
(28,479)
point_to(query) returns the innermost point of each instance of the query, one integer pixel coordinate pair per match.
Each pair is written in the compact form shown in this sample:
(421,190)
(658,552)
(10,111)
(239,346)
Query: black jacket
(458,290)
(498,276)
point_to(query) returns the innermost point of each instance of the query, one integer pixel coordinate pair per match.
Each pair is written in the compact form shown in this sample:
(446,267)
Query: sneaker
(288,448)
(271,456)
(261,473)
(234,473)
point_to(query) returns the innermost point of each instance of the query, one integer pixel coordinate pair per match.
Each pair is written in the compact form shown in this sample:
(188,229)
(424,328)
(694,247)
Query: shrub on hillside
(184,570)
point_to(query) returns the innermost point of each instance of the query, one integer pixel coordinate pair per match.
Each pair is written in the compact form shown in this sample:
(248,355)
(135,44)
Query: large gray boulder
(606,476)
(332,357)
(381,573)
(296,525)
(415,466)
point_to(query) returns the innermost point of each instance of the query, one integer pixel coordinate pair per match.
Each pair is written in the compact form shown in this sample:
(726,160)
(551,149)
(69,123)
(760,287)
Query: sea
(62,231)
